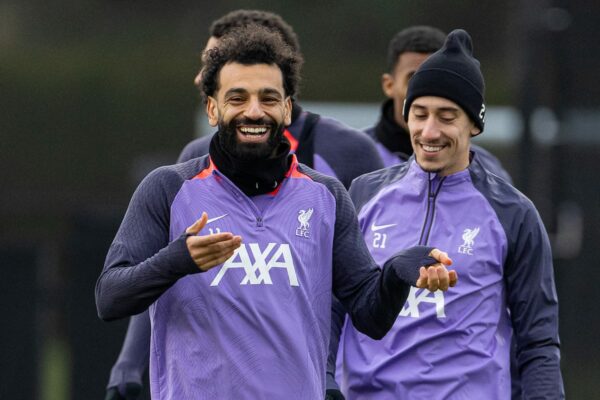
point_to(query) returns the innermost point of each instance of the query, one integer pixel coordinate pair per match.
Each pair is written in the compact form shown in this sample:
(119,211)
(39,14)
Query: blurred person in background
(406,52)
(320,142)
(224,326)
(455,345)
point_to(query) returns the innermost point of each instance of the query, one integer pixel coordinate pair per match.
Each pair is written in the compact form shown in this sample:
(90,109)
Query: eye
(235,100)
(447,119)
(270,100)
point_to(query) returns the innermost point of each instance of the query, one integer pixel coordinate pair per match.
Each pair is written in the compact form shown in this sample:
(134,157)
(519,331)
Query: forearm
(533,304)
(125,288)
(540,372)
(375,303)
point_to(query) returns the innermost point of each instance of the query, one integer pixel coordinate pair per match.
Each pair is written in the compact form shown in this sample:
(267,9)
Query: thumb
(198,225)
(441,256)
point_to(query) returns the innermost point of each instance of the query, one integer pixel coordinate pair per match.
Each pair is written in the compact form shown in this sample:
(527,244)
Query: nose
(254,109)
(430,130)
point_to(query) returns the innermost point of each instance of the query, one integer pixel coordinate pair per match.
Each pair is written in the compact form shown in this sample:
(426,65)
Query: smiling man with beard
(251,115)
(251,320)
(319,142)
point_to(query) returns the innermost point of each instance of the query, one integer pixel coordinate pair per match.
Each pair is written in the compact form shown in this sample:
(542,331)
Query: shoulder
(196,148)
(335,191)
(333,185)
(337,128)
(490,162)
(346,144)
(515,211)
(169,179)
(366,186)
(370,132)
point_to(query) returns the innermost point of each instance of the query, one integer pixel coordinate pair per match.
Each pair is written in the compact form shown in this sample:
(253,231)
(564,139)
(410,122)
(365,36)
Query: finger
(422,280)
(215,249)
(198,225)
(441,256)
(206,241)
(443,277)
(432,279)
(453,276)
(210,262)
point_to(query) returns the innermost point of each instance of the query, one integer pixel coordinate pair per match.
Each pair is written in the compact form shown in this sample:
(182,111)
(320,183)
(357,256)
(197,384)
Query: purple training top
(257,326)
(456,344)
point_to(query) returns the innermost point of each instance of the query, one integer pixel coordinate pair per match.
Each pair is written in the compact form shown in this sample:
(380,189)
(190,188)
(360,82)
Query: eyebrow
(437,109)
(271,91)
(233,91)
(265,91)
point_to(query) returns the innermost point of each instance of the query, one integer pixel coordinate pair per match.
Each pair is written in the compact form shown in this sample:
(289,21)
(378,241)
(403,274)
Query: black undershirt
(393,136)
(253,177)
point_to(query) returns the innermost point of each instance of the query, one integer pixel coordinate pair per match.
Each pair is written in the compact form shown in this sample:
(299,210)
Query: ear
(287,119)
(475,130)
(198,78)
(387,84)
(212,111)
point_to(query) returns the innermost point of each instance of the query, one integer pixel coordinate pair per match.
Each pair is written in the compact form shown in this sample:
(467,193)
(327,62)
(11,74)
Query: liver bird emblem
(304,217)
(469,236)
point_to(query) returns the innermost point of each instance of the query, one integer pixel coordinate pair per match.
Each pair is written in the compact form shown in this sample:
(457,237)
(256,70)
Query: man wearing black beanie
(456,345)
(407,50)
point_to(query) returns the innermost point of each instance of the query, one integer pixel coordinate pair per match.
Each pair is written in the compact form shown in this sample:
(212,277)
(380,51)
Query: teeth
(253,131)
(431,148)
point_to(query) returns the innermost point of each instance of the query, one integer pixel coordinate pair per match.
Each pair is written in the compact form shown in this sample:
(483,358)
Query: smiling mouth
(253,133)
(431,148)
(259,130)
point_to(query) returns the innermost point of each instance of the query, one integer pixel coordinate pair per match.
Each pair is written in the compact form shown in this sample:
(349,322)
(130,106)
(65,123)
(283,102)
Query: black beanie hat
(452,73)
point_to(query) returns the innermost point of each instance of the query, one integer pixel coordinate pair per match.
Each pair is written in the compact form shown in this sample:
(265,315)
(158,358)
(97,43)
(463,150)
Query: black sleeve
(533,305)
(141,263)
(372,296)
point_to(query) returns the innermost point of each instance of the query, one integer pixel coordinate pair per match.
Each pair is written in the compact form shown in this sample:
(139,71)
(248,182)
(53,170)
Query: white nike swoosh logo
(215,219)
(375,228)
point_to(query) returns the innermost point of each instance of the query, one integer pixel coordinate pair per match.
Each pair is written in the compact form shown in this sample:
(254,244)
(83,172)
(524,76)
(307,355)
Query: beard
(250,151)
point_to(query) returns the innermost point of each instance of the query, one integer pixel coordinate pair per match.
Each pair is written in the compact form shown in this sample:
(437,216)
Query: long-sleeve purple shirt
(258,325)
(456,345)
(334,149)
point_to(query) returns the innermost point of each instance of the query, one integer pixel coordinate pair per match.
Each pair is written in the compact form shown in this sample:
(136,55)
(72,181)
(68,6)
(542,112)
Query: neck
(253,177)
(389,133)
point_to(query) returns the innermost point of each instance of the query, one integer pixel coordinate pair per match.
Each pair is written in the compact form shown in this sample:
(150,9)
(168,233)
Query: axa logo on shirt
(418,296)
(265,260)
(468,241)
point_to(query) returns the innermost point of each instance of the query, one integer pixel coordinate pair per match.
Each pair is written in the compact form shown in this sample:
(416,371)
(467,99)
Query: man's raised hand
(436,276)
(208,251)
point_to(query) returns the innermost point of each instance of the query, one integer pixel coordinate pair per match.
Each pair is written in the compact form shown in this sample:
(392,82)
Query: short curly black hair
(242,18)
(251,45)
(418,39)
